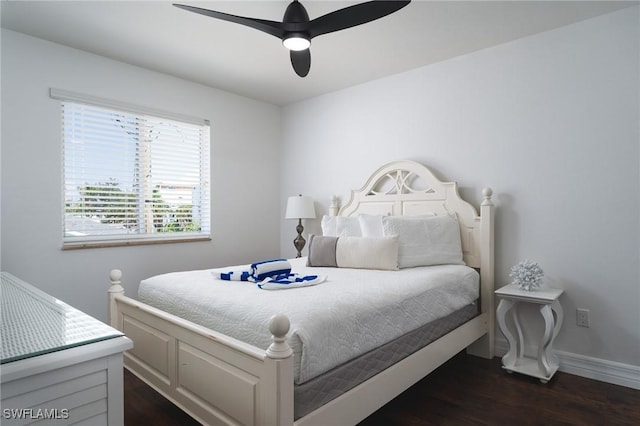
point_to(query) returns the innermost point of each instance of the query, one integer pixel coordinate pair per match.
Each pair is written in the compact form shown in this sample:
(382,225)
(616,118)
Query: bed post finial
(279,327)
(115,276)
(487,193)
(114,290)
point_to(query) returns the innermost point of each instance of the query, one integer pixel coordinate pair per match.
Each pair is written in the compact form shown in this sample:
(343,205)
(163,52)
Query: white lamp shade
(300,207)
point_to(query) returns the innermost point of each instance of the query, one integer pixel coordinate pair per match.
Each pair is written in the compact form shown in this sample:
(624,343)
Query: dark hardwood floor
(464,391)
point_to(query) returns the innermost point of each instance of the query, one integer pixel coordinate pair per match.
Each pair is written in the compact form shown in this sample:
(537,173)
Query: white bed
(352,312)
(193,350)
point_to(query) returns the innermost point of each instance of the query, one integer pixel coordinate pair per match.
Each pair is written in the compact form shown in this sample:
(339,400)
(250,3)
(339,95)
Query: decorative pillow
(371,225)
(353,252)
(367,253)
(322,251)
(427,241)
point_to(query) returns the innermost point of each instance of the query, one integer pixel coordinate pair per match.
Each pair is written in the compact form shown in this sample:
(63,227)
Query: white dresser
(59,365)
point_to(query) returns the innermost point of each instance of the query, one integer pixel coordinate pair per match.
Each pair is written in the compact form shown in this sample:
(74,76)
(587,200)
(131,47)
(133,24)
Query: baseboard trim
(592,368)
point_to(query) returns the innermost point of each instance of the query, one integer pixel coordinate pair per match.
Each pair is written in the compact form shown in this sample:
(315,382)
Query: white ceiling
(158,36)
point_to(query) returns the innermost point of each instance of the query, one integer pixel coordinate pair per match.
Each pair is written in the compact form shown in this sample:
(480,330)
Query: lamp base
(299,242)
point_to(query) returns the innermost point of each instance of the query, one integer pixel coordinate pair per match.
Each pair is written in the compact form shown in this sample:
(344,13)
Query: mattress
(318,391)
(351,313)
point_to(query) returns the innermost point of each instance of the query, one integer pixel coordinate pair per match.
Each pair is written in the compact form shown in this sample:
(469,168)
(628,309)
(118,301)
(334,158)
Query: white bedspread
(352,312)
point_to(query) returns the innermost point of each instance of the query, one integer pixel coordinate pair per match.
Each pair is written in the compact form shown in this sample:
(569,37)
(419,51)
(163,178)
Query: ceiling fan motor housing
(295,13)
(296,37)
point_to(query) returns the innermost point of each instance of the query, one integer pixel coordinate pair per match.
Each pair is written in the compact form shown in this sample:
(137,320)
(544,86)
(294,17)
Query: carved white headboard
(408,188)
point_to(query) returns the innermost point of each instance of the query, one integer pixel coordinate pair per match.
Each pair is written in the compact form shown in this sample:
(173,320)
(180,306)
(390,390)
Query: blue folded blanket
(258,271)
(270,275)
(270,268)
(281,282)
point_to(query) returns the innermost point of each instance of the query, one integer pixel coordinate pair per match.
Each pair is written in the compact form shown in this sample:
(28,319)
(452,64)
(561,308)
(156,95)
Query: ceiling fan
(296,29)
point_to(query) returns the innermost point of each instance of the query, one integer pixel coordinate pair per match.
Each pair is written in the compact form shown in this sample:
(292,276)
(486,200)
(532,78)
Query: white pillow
(348,226)
(367,253)
(328,225)
(340,226)
(371,225)
(426,241)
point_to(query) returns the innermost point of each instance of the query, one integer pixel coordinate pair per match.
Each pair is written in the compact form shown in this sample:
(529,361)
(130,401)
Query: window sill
(127,243)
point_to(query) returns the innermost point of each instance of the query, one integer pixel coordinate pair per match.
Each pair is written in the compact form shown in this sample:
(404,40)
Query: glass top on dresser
(35,323)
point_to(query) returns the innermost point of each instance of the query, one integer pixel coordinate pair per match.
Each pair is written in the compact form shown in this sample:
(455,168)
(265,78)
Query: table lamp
(300,207)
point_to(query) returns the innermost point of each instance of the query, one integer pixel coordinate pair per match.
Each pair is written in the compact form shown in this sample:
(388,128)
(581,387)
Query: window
(132,177)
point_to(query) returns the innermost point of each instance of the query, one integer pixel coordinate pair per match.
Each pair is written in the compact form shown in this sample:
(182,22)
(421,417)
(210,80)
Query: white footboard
(220,380)
(214,378)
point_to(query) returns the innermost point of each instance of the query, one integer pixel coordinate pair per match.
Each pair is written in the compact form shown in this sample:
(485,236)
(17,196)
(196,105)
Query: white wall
(551,122)
(245,135)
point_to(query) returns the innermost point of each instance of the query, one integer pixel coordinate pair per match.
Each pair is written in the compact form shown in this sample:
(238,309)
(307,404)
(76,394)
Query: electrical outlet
(582,317)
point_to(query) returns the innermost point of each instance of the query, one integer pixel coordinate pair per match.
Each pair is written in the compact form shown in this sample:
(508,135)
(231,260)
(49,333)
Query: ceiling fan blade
(301,61)
(354,15)
(270,27)
(297,27)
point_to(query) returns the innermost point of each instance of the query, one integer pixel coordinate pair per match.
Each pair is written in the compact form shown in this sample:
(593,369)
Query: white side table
(546,364)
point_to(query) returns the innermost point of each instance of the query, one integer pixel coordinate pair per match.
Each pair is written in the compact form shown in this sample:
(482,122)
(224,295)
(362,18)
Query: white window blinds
(132,177)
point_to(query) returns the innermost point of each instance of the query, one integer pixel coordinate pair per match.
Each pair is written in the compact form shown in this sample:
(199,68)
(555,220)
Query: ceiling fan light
(296,42)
